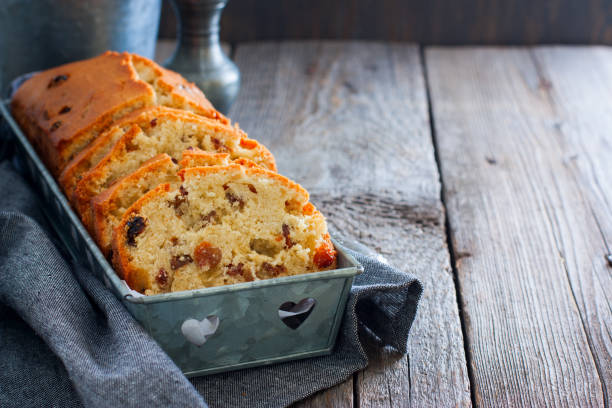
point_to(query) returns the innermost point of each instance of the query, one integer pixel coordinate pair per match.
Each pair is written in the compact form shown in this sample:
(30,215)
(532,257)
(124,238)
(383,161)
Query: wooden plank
(428,22)
(349,121)
(524,140)
(339,396)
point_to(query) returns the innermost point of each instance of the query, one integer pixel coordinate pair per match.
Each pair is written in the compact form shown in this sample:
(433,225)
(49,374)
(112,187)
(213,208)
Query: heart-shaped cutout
(198,331)
(294,314)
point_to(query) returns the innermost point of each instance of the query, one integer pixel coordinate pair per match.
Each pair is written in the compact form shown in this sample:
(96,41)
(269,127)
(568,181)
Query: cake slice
(222,225)
(99,147)
(109,206)
(63,109)
(96,150)
(169,133)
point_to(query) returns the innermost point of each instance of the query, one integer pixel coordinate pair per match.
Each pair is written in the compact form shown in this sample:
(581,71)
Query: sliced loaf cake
(109,206)
(171,133)
(96,150)
(63,109)
(99,147)
(222,225)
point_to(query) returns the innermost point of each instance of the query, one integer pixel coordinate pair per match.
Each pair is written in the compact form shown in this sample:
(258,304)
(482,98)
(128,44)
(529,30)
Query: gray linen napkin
(65,340)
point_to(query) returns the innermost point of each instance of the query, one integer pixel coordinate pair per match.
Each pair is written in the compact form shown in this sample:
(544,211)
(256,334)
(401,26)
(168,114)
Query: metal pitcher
(199,56)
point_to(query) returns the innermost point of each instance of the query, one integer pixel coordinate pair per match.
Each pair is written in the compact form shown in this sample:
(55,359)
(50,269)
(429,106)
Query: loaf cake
(109,206)
(222,225)
(63,109)
(169,132)
(175,196)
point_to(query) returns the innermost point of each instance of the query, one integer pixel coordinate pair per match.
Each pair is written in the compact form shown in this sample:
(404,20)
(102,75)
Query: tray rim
(260,363)
(354,268)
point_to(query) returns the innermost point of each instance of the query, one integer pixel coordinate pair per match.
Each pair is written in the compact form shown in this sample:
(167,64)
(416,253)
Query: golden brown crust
(92,182)
(105,204)
(257,171)
(108,206)
(99,177)
(120,259)
(95,151)
(196,158)
(141,278)
(87,158)
(181,91)
(114,128)
(63,108)
(267,160)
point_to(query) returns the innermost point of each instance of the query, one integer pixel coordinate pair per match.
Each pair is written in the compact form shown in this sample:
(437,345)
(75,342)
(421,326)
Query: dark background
(419,21)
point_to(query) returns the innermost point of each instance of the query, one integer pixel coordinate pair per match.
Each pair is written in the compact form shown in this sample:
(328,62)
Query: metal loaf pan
(251,328)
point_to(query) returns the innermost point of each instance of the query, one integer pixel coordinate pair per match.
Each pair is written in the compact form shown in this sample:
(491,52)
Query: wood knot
(460,255)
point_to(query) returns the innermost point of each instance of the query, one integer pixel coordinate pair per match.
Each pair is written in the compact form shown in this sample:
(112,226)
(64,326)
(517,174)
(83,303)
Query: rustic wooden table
(487,172)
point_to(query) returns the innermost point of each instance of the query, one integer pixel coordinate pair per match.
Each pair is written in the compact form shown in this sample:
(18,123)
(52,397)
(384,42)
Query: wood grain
(426,22)
(349,121)
(524,141)
(339,396)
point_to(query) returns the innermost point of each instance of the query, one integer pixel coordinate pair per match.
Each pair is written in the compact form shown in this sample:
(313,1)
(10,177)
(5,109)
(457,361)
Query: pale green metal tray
(250,328)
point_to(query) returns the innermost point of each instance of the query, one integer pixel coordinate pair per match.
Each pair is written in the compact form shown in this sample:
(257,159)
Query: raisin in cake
(221,225)
(169,132)
(109,206)
(63,109)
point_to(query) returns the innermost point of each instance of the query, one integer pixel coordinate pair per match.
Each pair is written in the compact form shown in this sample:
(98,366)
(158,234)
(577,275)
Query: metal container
(216,329)
(199,56)
(40,34)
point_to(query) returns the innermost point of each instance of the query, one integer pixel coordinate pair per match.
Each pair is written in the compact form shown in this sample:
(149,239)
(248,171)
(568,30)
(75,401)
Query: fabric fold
(109,358)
